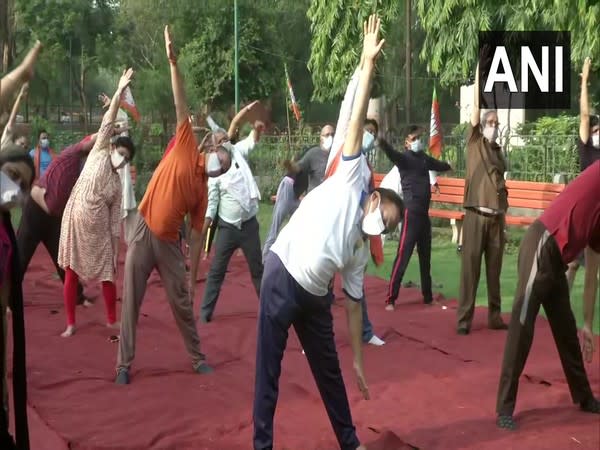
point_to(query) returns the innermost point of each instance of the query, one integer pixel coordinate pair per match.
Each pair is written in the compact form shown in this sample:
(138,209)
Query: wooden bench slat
(447,198)
(535,186)
(518,220)
(446,214)
(528,203)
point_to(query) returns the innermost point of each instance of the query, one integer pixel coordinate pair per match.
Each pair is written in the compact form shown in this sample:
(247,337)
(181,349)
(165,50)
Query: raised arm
(12,120)
(371,48)
(106,128)
(584,103)
(235,123)
(21,74)
(475,109)
(181,108)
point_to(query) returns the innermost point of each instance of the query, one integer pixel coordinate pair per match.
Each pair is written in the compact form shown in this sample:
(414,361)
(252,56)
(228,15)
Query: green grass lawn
(445,268)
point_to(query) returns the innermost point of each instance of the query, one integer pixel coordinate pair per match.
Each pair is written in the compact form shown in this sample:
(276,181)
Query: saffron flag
(295,106)
(435,133)
(128,104)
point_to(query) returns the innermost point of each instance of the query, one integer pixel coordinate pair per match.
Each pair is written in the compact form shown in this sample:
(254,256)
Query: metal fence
(532,158)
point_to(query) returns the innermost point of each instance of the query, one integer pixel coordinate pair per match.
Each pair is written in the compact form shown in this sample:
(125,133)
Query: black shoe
(591,405)
(463,331)
(204,369)
(122,376)
(506,423)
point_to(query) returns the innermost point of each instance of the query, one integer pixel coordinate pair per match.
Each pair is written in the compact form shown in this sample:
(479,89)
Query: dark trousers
(483,235)
(39,227)
(416,230)
(283,303)
(228,240)
(542,281)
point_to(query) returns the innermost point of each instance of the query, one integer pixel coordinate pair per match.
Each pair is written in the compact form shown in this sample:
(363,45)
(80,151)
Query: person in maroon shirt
(567,226)
(42,213)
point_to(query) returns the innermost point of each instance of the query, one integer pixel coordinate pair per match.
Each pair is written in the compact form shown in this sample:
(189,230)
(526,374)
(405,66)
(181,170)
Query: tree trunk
(84,109)
(408,97)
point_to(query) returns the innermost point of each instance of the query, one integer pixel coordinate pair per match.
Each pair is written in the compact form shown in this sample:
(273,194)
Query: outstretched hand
(360,379)
(169,45)
(371,43)
(125,79)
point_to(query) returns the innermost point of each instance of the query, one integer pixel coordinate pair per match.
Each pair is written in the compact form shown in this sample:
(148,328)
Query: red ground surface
(430,388)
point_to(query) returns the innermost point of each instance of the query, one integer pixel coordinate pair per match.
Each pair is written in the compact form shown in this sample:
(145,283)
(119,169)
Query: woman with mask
(16,175)
(90,230)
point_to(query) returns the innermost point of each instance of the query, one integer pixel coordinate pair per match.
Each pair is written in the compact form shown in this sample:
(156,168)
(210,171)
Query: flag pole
(287,109)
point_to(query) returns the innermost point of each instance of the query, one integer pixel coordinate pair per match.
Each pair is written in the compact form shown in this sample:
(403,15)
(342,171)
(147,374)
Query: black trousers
(283,303)
(416,230)
(39,227)
(228,240)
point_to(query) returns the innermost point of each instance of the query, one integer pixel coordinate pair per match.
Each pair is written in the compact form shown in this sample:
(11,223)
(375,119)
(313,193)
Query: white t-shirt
(324,235)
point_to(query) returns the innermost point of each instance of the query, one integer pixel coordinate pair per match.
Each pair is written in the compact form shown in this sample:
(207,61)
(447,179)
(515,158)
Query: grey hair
(485,115)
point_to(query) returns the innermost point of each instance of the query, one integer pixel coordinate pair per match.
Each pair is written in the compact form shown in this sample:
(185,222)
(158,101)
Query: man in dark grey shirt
(314,162)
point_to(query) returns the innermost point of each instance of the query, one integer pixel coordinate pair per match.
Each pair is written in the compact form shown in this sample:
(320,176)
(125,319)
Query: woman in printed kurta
(89,238)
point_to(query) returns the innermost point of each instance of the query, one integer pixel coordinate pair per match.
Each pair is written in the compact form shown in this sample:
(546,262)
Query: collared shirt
(485,185)
(324,235)
(61,176)
(573,218)
(224,191)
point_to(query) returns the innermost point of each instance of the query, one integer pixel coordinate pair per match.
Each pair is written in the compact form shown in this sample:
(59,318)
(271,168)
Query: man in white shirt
(233,204)
(327,234)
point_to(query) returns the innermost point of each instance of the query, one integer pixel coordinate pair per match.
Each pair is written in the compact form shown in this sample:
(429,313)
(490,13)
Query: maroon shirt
(60,177)
(573,218)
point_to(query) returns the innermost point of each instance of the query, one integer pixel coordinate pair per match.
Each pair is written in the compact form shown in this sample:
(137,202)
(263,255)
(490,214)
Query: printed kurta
(92,216)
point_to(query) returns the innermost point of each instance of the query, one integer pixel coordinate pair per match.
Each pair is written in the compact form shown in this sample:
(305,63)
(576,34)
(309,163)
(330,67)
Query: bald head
(326,140)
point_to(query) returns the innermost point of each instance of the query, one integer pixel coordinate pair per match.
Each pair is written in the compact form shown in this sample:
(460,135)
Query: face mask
(10,192)
(213,165)
(44,143)
(416,145)
(596,140)
(327,143)
(116,159)
(490,133)
(372,223)
(368,142)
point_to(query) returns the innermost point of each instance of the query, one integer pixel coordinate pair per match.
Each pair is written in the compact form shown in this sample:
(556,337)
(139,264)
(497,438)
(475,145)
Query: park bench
(526,200)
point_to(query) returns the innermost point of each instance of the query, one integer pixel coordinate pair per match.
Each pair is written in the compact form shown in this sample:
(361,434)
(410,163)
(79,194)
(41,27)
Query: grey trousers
(144,253)
(285,205)
(228,240)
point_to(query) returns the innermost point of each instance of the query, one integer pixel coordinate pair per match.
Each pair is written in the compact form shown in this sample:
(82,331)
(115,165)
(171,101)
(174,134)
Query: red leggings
(109,291)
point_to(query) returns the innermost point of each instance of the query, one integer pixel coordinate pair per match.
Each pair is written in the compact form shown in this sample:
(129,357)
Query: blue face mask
(368,142)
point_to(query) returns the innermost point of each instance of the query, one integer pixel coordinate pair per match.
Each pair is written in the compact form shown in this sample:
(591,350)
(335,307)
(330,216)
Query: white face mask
(596,140)
(368,142)
(213,165)
(372,223)
(327,143)
(44,143)
(490,133)
(416,145)
(10,192)
(116,159)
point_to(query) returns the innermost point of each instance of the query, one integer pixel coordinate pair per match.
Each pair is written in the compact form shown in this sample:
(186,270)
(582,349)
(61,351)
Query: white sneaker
(376,341)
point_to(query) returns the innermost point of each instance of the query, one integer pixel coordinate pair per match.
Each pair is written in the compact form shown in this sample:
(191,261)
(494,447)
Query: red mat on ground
(430,388)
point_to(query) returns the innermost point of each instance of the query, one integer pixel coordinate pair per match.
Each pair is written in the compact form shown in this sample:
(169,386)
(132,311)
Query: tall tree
(336,34)
(452,26)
